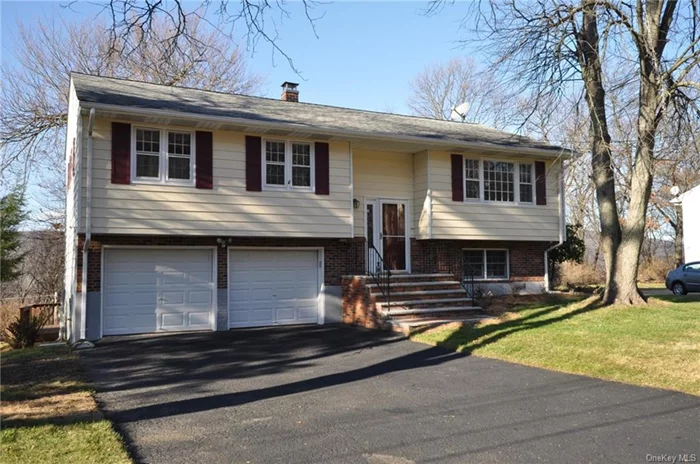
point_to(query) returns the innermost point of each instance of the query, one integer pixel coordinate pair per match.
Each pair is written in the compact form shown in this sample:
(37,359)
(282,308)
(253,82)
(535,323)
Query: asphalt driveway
(343,395)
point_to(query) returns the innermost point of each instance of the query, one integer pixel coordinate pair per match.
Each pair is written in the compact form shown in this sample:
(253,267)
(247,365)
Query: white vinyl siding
(480,220)
(227,209)
(421,196)
(380,174)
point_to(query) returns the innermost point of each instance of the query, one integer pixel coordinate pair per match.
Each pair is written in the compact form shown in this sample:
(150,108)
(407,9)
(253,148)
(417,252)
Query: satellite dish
(459,112)
(675,190)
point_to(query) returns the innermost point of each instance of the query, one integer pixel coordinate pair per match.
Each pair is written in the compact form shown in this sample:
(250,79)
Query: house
(690,208)
(198,210)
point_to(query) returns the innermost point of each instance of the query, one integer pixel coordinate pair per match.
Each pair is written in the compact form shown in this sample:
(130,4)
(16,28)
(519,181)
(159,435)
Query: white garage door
(154,290)
(271,287)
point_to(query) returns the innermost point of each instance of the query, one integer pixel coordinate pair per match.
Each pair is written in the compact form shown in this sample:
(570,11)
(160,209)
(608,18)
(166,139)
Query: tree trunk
(678,251)
(601,159)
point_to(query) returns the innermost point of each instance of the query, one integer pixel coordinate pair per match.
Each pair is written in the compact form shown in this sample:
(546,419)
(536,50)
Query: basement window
(486,264)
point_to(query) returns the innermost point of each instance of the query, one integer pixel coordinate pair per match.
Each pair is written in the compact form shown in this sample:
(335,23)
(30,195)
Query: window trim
(484,277)
(163,155)
(288,187)
(516,182)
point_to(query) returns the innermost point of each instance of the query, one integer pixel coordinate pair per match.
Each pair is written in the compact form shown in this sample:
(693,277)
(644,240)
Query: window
(695,267)
(288,165)
(179,152)
(486,264)
(148,153)
(499,181)
(471,177)
(526,183)
(163,156)
(301,165)
(274,163)
(499,184)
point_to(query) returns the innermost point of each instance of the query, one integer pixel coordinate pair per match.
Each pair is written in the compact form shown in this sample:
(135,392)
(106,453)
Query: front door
(393,234)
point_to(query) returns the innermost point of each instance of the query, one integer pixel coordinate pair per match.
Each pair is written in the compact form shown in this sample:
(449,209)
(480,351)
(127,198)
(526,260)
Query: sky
(365,56)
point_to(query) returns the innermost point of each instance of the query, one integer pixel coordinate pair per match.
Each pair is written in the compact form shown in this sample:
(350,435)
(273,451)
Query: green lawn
(657,345)
(49,413)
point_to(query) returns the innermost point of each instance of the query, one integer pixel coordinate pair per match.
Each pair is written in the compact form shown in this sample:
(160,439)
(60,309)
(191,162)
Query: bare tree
(553,49)
(439,89)
(34,94)
(132,22)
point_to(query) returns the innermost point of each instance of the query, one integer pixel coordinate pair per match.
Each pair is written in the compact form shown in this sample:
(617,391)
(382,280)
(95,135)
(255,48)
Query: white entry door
(272,287)
(157,290)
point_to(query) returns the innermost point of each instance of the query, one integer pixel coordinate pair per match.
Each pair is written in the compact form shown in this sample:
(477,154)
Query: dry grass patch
(49,413)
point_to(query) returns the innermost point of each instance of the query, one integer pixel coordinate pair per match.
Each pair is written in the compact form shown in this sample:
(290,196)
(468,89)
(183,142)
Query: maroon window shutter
(540,183)
(457,178)
(253,163)
(121,153)
(322,168)
(204,159)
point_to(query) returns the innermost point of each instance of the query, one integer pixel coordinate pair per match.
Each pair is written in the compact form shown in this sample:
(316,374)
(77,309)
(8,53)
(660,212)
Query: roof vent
(290,92)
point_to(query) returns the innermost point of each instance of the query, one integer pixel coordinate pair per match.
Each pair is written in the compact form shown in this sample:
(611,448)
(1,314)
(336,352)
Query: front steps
(420,300)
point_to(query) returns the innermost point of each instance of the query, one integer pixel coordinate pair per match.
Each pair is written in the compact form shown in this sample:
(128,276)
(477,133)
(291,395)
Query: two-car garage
(166,289)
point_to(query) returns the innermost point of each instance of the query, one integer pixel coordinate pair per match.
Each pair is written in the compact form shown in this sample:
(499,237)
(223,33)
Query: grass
(649,285)
(49,413)
(657,345)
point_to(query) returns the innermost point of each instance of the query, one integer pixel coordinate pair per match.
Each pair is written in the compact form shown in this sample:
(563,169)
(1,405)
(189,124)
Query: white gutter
(83,343)
(562,228)
(447,145)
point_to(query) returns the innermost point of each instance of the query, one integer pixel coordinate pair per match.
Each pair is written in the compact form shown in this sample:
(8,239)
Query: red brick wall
(526,258)
(358,305)
(341,256)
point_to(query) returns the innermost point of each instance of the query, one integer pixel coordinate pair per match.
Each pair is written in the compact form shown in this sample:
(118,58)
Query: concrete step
(391,313)
(425,302)
(420,283)
(423,294)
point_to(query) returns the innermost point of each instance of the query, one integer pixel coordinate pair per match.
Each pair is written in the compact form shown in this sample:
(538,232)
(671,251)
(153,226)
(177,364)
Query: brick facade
(359,307)
(341,256)
(526,258)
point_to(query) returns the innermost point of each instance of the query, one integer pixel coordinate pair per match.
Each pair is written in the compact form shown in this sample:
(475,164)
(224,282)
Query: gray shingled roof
(145,96)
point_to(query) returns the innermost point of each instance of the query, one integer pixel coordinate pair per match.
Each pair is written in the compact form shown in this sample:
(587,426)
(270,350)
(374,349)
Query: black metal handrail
(380,273)
(467,278)
(464,275)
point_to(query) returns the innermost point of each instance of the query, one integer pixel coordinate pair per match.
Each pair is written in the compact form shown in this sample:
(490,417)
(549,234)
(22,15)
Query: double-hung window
(486,264)
(472,189)
(288,165)
(527,183)
(163,156)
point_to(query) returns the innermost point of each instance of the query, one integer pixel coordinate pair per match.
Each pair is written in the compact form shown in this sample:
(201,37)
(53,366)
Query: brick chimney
(290,92)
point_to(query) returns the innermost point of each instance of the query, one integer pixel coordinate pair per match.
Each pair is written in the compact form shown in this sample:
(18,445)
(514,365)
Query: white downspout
(562,228)
(82,342)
